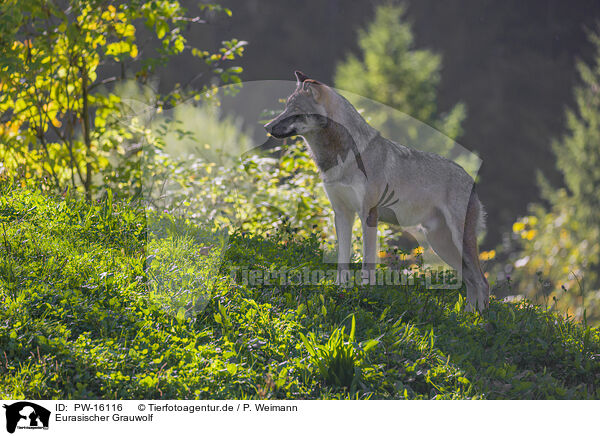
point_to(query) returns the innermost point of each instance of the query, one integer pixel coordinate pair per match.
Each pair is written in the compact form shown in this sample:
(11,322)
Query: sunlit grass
(90,308)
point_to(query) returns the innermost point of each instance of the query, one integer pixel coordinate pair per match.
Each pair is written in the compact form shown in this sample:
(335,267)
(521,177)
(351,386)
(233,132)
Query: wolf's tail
(482,220)
(480,226)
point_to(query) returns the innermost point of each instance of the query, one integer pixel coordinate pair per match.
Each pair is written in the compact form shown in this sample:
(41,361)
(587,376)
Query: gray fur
(366,174)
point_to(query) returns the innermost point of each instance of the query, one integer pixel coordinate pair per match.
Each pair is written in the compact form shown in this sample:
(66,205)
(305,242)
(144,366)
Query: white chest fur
(346,195)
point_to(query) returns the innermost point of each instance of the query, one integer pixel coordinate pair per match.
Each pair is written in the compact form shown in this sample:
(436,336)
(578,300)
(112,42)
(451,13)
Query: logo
(26,415)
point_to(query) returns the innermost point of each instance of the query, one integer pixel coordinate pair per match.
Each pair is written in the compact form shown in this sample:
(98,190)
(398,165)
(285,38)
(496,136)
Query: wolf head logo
(27,414)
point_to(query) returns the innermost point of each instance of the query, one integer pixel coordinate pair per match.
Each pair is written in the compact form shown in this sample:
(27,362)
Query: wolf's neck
(345,123)
(340,140)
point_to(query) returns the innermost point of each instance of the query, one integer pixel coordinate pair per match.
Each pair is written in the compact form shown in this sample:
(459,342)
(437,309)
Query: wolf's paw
(481,303)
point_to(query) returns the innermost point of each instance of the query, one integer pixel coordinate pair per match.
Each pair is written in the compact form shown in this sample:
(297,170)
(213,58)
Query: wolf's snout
(274,128)
(269,127)
(279,129)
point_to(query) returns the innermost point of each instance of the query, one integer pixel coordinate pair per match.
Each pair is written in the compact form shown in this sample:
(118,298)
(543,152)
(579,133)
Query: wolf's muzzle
(281,128)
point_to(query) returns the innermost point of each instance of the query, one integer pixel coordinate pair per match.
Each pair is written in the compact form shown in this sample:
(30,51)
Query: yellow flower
(418,251)
(533,220)
(487,255)
(518,226)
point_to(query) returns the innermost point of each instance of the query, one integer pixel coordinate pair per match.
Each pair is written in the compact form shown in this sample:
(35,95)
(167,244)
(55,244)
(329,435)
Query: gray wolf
(366,174)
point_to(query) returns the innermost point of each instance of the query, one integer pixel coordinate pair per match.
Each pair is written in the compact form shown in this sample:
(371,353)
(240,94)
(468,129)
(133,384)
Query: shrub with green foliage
(60,119)
(80,318)
(554,254)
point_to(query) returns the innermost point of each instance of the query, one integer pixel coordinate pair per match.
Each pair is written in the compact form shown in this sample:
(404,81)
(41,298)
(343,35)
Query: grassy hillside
(83,314)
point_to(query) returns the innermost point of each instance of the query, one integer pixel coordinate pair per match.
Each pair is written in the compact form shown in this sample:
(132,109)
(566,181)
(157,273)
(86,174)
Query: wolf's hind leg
(465,262)
(440,238)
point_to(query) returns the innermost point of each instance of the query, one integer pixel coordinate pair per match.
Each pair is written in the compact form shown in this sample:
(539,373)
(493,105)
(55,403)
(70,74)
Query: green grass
(91,308)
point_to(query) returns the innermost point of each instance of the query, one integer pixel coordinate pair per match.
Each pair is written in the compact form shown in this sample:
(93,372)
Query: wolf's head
(305,110)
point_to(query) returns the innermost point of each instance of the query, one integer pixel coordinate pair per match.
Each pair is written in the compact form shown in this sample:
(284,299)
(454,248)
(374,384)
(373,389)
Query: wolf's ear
(300,76)
(308,85)
(313,88)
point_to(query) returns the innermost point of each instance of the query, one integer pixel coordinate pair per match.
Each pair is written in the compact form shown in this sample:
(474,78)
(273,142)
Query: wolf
(377,179)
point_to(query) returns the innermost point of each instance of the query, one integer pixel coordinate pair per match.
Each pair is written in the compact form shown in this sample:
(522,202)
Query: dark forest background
(512,63)
(149,248)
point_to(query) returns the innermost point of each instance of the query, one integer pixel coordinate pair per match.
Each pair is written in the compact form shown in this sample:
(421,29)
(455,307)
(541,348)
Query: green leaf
(161,29)
(367,345)
(353,329)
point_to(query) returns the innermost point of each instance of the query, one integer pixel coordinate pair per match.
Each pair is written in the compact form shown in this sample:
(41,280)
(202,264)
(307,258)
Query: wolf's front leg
(369,232)
(344,219)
